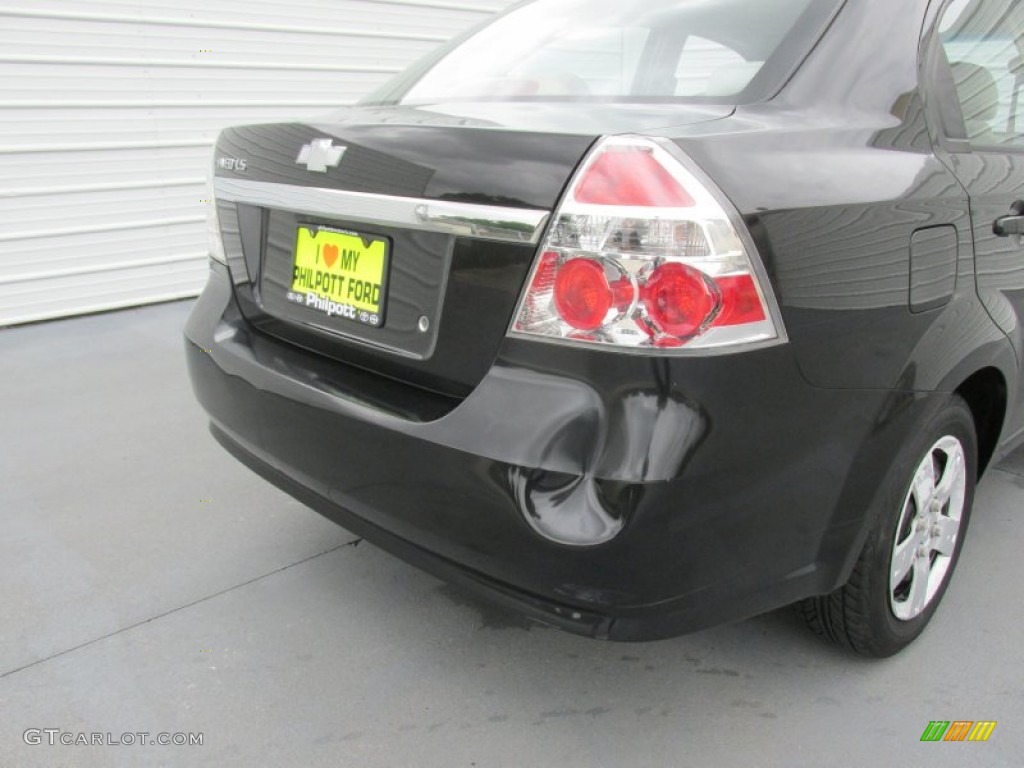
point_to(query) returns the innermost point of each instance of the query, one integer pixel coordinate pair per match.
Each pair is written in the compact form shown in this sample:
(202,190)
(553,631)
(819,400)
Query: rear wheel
(912,550)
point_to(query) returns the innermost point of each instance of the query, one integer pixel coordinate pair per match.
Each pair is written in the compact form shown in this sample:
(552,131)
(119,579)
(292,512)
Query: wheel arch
(983,379)
(985,392)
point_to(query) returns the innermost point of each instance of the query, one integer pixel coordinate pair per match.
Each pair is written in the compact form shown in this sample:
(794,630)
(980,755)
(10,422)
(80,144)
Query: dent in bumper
(556,436)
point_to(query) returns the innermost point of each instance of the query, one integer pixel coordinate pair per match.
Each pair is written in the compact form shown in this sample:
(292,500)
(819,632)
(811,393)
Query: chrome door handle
(1007,226)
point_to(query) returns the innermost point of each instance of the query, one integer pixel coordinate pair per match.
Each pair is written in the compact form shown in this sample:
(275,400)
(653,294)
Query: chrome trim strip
(486,222)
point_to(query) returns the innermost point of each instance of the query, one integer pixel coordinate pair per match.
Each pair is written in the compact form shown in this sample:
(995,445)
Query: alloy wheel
(928,529)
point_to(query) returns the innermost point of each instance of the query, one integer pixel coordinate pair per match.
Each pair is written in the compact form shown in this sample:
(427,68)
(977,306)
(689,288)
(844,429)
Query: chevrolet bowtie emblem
(319,155)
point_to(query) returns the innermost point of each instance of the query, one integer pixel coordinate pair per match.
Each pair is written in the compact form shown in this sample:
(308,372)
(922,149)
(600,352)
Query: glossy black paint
(726,485)
(718,515)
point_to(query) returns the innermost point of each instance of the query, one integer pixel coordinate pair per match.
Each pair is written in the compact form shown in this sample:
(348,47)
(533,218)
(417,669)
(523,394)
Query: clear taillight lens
(642,254)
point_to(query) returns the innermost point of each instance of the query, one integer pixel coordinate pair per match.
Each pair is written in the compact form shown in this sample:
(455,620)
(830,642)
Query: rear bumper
(709,489)
(547,612)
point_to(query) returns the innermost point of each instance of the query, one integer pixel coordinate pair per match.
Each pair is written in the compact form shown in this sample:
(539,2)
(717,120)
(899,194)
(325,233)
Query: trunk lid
(413,228)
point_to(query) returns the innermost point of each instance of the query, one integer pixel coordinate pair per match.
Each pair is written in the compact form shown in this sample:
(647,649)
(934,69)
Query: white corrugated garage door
(110,108)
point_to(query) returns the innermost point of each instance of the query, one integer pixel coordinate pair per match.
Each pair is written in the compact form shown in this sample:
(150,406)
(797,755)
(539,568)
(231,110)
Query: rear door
(984,43)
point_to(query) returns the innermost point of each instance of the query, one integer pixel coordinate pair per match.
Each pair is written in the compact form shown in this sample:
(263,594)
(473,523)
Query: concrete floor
(148,582)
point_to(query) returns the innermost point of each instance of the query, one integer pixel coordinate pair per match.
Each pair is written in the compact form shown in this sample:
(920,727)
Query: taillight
(641,253)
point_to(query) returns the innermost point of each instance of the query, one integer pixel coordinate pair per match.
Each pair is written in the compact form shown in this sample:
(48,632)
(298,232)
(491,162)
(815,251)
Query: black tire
(861,614)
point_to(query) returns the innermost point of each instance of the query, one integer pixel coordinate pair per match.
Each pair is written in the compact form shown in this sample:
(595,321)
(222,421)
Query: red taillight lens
(630,176)
(740,301)
(678,299)
(583,296)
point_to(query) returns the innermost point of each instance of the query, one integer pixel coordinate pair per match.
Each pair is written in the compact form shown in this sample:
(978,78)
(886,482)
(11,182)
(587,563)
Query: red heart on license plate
(330,254)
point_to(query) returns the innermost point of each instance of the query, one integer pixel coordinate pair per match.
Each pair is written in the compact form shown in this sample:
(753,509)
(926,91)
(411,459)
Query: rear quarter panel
(834,177)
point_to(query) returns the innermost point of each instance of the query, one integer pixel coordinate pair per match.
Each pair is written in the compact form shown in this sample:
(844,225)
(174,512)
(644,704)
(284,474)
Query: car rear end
(527,354)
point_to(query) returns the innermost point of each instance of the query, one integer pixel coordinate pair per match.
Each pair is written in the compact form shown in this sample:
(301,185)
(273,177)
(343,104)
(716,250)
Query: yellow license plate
(340,273)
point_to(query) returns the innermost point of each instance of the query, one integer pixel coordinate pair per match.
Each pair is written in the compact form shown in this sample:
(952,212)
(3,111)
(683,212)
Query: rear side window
(984,43)
(712,51)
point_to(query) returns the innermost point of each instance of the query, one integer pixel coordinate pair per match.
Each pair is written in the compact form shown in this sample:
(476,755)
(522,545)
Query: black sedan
(640,316)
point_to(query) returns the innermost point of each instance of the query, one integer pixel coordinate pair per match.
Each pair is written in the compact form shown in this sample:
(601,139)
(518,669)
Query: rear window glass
(984,44)
(641,50)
